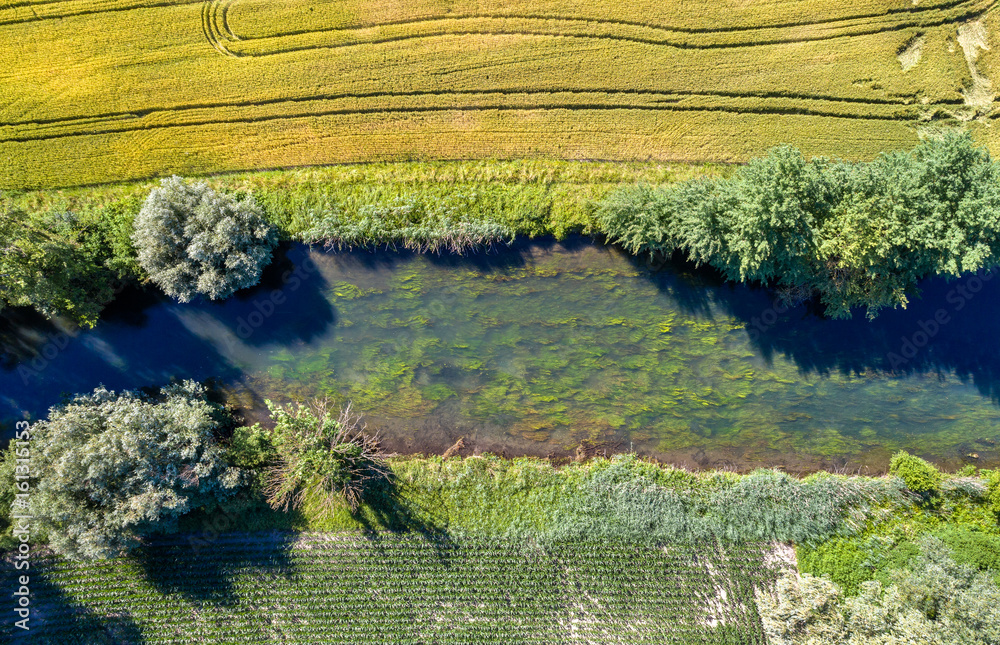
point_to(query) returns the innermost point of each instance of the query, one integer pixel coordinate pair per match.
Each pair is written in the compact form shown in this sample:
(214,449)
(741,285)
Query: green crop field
(96,91)
(407,588)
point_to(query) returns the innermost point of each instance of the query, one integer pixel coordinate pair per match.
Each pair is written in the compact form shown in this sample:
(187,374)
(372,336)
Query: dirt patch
(909,55)
(972,37)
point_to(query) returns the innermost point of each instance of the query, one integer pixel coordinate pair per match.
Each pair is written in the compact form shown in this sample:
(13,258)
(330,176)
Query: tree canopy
(855,234)
(114,467)
(192,240)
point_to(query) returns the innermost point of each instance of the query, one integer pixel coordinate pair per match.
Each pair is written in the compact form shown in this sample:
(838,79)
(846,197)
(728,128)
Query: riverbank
(533,197)
(484,523)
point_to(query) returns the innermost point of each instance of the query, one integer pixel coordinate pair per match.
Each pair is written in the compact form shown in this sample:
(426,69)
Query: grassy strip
(535,197)
(849,528)
(621,498)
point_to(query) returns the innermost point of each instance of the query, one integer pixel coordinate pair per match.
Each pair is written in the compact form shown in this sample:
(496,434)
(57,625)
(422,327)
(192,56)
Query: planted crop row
(406,588)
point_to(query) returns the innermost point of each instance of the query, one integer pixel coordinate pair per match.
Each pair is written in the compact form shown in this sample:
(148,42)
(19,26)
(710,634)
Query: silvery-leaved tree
(193,241)
(114,467)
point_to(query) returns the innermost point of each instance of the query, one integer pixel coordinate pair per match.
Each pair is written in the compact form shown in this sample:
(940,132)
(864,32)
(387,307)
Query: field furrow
(283,42)
(128,89)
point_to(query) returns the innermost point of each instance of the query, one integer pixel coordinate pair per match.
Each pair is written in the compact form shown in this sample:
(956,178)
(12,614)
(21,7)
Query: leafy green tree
(114,467)
(194,241)
(776,205)
(47,262)
(856,235)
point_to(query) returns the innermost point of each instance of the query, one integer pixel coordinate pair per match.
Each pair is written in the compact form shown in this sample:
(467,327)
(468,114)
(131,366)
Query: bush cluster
(194,241)
(115,467)
(314,457)
(855,234)
(934,600)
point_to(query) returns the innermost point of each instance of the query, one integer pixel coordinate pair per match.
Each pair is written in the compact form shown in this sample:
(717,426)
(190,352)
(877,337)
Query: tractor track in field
(119,123)
(210,27)
(540,25)
(83,8)
(131,114)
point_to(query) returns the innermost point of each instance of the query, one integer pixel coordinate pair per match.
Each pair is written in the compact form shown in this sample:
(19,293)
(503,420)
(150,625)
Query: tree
(854,234)
(46,263)
(114,467)
(193,241)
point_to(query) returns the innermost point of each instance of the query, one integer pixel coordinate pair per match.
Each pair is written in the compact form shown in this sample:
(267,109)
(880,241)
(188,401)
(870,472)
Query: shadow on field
(385,512)
(203,559)
(56,618)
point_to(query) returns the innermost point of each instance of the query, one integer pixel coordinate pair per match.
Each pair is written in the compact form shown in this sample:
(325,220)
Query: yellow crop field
(95,91)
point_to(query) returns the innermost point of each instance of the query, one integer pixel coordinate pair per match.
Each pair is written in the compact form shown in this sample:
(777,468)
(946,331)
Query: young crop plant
(322,459)
(193,241)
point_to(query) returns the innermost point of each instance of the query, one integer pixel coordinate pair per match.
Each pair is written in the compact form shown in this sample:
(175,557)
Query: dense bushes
(114,467)
(312,457)
(193,241)
(855,234)
(934,600)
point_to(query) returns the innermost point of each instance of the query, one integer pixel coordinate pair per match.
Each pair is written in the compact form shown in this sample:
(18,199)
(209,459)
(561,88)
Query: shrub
(993,491)
(322,459)
(920,476)
(115,467)
(250,447)
(935,600)
(194,241)
(974,548)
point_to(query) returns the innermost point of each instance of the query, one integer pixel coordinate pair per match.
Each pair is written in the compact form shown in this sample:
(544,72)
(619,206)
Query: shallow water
(549,347)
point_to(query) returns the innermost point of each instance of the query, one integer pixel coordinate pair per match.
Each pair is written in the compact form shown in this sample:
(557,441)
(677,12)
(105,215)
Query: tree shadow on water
(289,304)
(948,328)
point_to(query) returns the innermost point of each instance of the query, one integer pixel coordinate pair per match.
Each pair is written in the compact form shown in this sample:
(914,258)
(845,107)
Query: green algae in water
(571,345)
